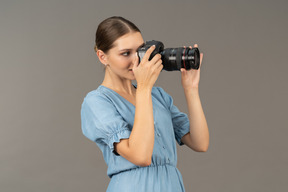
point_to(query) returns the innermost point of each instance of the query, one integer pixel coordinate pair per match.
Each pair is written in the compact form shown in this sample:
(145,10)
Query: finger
(158,63)
(148,53)
(159,66)
(201,58)
(156,58)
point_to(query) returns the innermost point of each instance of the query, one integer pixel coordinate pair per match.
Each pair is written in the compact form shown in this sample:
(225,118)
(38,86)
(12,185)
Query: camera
(173,59)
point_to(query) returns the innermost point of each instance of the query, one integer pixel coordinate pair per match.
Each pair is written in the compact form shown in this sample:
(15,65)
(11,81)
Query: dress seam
(134,168)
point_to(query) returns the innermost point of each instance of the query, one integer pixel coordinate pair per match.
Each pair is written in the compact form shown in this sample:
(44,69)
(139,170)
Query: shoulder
(96,97)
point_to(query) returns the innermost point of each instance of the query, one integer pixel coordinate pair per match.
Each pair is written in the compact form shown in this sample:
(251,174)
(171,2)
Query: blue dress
(107,117)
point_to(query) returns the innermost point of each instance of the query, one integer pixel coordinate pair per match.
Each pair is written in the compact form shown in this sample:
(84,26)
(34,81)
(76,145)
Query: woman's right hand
(147,72)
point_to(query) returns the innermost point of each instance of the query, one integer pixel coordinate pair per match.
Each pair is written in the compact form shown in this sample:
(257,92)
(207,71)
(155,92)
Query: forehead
(129,41)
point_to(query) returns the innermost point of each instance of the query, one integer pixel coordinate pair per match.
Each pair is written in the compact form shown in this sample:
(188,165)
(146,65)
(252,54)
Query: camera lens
(176,58)
(192,58)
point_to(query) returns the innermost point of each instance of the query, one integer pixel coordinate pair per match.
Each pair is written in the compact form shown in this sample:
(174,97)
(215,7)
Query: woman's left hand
(190,78)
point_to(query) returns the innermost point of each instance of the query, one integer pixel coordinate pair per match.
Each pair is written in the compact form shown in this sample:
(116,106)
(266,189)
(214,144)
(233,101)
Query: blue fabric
(107,117)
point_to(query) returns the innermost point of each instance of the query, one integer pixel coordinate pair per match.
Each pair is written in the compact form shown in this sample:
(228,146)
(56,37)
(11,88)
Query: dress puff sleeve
(102,123)
(180,120)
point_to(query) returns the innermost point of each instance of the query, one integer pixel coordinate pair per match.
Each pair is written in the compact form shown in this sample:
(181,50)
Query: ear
(102,57)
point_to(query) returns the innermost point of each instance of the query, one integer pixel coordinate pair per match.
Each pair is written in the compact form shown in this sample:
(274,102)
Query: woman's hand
(190,78)
(147,72)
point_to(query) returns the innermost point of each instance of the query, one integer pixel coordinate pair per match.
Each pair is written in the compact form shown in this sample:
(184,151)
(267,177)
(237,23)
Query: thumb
(183,71)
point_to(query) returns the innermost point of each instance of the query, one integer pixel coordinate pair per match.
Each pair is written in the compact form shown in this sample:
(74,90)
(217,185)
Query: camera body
(173,59)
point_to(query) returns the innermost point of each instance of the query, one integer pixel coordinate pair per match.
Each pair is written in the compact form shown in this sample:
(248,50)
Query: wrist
(193,89)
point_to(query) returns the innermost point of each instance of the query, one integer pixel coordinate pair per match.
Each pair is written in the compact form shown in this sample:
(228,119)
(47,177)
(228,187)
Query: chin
(133,78)
(131,75)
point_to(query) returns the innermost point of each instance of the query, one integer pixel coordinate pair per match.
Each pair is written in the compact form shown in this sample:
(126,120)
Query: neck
(117,83)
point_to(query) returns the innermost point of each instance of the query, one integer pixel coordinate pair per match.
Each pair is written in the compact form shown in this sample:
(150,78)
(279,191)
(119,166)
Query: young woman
(136,126)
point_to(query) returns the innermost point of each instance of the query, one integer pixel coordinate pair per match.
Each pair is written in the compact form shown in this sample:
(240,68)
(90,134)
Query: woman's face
(124,54)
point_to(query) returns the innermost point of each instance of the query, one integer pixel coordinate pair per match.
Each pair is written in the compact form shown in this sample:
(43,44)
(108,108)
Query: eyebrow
(131,49)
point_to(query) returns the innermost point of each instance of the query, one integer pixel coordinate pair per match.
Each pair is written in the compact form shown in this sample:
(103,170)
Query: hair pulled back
(110,29)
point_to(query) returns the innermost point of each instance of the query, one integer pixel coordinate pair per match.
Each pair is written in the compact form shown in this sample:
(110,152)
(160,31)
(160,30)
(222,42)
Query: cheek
(122,62)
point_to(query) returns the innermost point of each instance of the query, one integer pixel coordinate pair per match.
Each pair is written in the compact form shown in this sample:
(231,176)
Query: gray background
(48,65)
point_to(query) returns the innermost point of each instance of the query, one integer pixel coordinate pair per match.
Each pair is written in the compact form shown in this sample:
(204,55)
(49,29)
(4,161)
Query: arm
(138,148)
(198,137)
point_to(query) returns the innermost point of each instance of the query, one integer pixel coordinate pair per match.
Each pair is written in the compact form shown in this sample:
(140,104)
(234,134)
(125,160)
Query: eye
(125,53)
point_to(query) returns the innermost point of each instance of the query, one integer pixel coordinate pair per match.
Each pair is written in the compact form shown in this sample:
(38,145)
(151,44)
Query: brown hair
(110,29)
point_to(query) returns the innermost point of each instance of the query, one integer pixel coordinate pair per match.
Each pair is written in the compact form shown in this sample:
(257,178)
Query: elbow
(203,149)
(145,162)
(140,158)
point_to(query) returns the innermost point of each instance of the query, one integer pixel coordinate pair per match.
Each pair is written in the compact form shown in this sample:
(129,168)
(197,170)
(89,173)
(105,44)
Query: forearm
(198,125)
(141,139)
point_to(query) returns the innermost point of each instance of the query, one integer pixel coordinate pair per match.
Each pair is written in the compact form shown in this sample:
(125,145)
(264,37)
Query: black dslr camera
(172,58)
